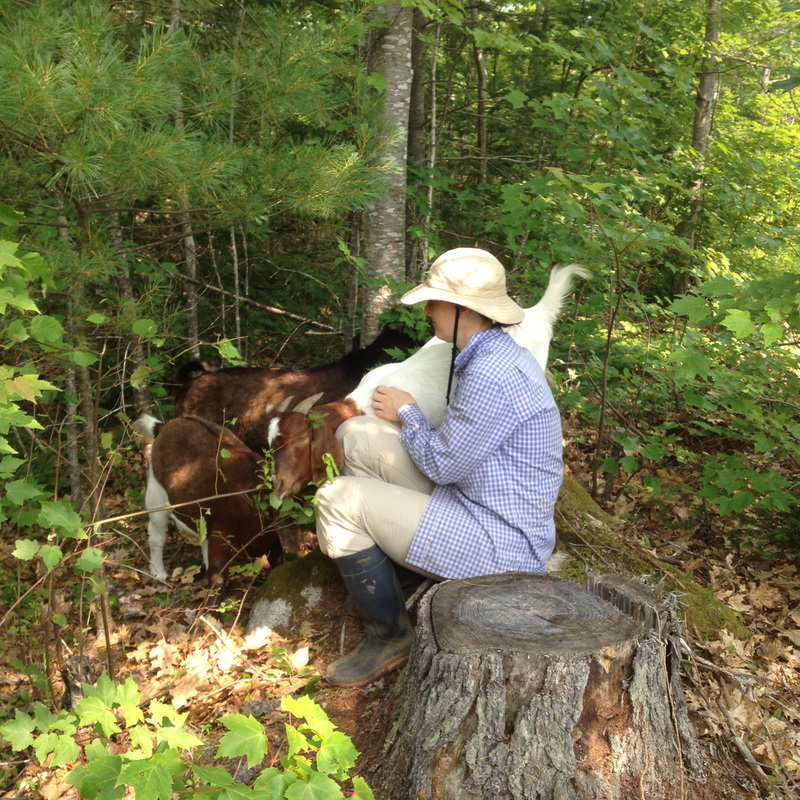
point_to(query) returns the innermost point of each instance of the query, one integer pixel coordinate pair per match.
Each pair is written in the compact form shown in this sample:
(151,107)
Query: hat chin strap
(453,356)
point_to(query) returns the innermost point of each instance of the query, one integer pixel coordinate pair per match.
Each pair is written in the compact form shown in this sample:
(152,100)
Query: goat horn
(284,404)
(304,406)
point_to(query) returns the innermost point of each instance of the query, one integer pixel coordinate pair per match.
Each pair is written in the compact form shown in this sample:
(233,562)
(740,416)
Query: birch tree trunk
(705,100)
(385,222)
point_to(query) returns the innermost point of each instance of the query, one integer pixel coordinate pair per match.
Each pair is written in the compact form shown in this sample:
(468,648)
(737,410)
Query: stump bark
(528,687)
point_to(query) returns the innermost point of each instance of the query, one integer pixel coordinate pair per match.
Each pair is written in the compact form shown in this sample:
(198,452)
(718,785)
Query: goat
(298,441)
(204,471)
(238,396)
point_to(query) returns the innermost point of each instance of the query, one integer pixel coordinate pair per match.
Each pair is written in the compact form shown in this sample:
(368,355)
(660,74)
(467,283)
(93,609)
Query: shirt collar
(467,354)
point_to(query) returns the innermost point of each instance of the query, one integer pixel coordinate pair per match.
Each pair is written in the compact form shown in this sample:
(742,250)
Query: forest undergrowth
(743,691)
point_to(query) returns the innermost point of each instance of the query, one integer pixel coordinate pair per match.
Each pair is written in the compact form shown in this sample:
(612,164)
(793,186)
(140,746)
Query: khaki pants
(378,499)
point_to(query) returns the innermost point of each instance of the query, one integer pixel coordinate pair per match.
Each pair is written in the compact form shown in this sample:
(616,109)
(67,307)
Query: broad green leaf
(98,779)
(65,751)
(214,776)
(362,790)
(739,323)
(82,358)
(59,514)
(18,731)
(772,332)
(19,492)
(149,780)
(693,307)
(93,710)
(26,549)
(139,375)
(89,560)
(314,715)
(336,755)
(275,781)
(516,98)
(10,217)
(178,737)
(47,330)
(245,737)
(319,787)
(129,697)
(51,555)
(146,328)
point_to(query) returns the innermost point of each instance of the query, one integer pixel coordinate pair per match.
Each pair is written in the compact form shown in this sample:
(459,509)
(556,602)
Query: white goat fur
(425,373)
(155,501)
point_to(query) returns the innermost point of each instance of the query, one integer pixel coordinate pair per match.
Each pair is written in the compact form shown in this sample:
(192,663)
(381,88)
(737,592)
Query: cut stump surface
(528,687)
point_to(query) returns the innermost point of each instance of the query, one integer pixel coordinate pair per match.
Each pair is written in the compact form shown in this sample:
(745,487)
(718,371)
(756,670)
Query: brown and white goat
(237,397)
(202,471)
(299,440)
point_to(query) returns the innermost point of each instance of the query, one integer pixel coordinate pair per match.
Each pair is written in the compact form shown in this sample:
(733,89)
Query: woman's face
(443,315)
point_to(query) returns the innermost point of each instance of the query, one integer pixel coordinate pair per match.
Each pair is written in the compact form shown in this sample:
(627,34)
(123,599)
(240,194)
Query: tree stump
(529,687)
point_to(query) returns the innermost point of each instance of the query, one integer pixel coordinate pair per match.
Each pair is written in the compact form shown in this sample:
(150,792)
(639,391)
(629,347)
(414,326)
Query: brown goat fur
(300,440)
(194,461)
(239,397)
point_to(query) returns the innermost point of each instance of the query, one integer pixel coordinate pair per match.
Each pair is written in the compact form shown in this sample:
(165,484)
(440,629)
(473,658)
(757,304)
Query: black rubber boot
(370,578)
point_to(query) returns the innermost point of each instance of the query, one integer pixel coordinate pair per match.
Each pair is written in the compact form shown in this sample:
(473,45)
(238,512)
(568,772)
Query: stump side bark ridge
(555,722)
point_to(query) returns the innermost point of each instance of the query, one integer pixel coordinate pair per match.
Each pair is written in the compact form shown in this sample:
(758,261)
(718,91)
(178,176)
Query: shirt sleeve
(477,421)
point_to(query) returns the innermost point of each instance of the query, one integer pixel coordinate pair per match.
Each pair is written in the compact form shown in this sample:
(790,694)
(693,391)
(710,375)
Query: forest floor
(743,692)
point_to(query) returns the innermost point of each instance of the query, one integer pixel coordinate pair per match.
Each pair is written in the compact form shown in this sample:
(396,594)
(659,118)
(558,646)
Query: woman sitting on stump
(474,496)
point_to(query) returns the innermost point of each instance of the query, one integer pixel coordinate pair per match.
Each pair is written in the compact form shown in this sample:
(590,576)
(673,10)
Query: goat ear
(304,406)
(324,441)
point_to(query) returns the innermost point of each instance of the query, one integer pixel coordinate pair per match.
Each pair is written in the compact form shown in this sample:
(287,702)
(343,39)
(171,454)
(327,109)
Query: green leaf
(178,737)
(60,515)
(65,751)
(149,780)
(82,358)
(146,328)
(9,217)
(739,323)
(51,555)
(26,549)
(18,731)
(47,330)
(319,787)
(314,715)
(274,781)
(19,492)
(772,332)
(693,307)
(245,737)
(98,779)
(214,776)
(89,560)
(516,98)
(362,791)
(94,710)
(336,755)
(139,375)
(377,81)
(129,697)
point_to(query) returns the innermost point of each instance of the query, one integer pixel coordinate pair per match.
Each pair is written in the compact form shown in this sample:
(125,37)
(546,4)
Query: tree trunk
(185,217)
(525,686)
(701,134)
(385,222)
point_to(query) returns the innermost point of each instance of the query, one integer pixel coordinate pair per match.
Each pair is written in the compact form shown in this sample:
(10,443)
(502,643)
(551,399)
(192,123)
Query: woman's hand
(387,400)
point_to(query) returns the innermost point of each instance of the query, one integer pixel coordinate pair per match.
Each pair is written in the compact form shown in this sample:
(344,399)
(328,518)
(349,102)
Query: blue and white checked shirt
(497,462)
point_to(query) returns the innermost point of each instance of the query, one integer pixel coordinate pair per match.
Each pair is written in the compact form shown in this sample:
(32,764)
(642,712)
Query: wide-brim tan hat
(468,277)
